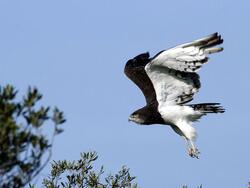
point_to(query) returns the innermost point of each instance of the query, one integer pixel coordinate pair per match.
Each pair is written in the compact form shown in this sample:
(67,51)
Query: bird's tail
(208,108)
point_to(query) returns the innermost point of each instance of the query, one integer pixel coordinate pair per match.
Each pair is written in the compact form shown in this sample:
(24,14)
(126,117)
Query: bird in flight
(169,81)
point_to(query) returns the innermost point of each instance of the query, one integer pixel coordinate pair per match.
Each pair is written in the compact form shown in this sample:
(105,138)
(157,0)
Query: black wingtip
(212,41)
(215,34)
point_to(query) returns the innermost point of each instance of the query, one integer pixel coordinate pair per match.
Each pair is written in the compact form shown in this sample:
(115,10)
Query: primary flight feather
(169,81)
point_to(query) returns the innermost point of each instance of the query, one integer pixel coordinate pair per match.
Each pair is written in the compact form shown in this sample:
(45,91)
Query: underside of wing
(189,57)
(173,71)
(172,86)
(135,70)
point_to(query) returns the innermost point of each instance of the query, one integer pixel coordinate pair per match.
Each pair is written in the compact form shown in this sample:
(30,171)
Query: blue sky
(75,52)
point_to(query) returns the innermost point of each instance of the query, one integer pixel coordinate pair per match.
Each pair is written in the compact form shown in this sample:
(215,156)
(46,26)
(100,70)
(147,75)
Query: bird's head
(137,118)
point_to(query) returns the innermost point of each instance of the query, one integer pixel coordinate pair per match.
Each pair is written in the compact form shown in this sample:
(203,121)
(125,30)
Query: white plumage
(164,70)
(168,81)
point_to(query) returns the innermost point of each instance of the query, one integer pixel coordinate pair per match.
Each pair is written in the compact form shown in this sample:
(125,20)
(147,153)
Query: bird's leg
(192,150)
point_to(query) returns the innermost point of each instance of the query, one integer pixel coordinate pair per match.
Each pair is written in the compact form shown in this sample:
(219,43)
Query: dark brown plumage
(169,81)
(135,70)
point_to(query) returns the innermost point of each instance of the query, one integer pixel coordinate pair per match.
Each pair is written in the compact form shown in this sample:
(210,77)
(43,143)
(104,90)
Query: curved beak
(129,119)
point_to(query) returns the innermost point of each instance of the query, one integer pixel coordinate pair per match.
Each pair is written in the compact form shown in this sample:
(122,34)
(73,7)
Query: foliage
(80,174)
(185,186)
(24,149)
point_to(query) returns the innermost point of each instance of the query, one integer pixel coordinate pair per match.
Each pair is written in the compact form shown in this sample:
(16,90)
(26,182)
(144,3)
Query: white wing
(172,71)
(189,57)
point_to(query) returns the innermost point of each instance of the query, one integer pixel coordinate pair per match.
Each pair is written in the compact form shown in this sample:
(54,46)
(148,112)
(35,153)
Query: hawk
(169,81)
